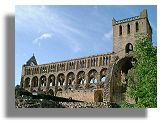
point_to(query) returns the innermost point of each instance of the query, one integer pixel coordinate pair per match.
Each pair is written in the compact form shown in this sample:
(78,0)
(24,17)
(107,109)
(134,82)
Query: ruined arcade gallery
(97,80)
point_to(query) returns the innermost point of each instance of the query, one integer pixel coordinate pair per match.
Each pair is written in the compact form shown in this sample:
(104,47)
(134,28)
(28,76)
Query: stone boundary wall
(39,103)
(81,95)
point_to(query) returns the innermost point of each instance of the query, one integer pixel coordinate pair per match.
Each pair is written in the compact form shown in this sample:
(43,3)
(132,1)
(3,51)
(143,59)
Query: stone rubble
(37,103)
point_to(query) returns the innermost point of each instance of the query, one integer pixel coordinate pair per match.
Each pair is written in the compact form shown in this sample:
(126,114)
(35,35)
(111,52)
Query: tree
(142,78)
(21,91)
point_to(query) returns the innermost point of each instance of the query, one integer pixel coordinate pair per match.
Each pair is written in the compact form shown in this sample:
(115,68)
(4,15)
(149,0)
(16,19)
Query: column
(39,84)
(47,83)
(66,83)
(56,85)
(87,80)
(75,81)
(98,78)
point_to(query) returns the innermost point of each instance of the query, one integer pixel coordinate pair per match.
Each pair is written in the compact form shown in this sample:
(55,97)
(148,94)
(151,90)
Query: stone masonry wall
(87,96)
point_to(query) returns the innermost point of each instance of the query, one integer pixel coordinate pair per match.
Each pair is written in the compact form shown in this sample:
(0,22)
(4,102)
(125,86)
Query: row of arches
(71,78)
(128,28)
(73,65)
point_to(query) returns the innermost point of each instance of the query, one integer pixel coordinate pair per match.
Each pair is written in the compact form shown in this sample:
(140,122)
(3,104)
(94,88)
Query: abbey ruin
(97,78)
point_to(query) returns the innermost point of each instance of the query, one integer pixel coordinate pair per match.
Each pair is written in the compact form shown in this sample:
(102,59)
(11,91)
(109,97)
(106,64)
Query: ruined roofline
(127,20)
(142,15)
(79,58)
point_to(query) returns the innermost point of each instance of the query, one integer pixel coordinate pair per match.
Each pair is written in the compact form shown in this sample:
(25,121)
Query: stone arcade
(95,78)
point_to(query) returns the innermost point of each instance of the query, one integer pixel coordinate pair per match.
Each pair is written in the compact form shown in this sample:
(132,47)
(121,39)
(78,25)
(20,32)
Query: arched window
(120,30)
(137,27)
(61,79)
(81,77)
(70,78)
(128,48)
(92,76)
(128,29)
(103,73)
(27,83)
(51,80)
(43,81)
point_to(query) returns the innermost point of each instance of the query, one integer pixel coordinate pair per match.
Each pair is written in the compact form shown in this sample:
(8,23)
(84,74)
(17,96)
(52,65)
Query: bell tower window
(120,30)
(137,27)
(128,29)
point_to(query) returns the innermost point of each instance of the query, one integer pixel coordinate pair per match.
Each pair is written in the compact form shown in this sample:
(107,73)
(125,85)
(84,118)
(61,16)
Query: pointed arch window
(120,30)
(128,48)
(137,27)
(128,29)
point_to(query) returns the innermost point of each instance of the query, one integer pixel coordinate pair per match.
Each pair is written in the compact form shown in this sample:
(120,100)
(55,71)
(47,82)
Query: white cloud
(108,35)
(42,38)
(42,19)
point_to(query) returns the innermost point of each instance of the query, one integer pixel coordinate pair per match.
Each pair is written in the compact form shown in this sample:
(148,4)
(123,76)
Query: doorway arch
(118,83)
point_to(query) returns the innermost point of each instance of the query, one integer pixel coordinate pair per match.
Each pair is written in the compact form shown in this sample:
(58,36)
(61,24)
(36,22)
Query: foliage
(142,78)
(20,91)
(54,98)
(127,105)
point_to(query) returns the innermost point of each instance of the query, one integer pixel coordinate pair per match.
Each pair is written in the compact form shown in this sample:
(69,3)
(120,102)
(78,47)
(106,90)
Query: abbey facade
(94,78)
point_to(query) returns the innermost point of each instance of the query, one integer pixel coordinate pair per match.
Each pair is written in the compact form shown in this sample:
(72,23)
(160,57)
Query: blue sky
(56,33)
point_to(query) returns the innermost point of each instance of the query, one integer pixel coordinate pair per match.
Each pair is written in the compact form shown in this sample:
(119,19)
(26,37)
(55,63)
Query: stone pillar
(106,94)
(75,82)
(87,79)
(39,84)
(98,78)
(56,85)
(47,84)
(65,83)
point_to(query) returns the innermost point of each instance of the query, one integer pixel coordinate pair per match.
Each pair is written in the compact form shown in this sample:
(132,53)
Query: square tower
(124,32)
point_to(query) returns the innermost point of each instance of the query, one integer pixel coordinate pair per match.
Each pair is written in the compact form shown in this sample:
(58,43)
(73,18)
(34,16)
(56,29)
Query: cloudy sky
(56,33)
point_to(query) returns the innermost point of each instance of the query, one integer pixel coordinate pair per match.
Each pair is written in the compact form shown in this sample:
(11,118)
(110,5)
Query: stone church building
(94,78)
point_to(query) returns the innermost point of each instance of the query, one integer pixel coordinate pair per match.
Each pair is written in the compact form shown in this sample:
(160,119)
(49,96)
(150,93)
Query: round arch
(128,48)
(103,73)
(118,81)
(92,87)
(59,91)
(51,80)
(92,76)
(98,96)
(61,79)
(70,88)
(43,81)
(50,92)
(81,87)
(81,77)
(70,78)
